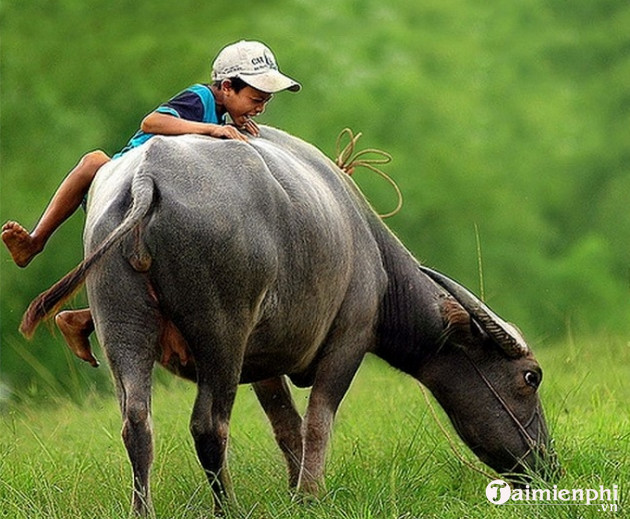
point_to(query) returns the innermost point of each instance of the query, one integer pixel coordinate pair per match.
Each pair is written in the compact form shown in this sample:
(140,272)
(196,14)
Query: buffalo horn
(504,334)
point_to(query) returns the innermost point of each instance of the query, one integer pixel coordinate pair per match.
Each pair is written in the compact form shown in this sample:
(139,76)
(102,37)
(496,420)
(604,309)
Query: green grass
(388,458)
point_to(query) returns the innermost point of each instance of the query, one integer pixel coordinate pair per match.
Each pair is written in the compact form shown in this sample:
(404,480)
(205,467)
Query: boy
(245,77)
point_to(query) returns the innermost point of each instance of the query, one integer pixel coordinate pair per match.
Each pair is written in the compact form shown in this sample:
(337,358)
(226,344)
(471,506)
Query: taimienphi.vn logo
(499,492)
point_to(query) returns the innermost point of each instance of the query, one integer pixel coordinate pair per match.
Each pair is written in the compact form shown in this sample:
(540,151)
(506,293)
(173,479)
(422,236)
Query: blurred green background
(509,124)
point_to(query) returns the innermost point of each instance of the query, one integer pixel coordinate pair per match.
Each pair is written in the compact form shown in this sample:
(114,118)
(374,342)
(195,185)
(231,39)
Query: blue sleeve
(196,103)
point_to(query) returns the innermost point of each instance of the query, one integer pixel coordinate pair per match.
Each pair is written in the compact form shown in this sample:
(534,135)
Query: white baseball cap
(255,64)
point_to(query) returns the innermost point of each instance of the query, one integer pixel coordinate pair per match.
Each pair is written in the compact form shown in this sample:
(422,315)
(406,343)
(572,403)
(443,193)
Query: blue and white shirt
(196,103)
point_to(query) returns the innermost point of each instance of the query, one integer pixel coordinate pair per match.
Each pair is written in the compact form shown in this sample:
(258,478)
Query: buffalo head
(486,378)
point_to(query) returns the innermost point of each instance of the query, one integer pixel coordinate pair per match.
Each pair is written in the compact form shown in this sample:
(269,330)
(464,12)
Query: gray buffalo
(265,262)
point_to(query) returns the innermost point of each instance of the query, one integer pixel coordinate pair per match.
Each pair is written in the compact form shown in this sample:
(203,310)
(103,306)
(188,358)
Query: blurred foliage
(508,123)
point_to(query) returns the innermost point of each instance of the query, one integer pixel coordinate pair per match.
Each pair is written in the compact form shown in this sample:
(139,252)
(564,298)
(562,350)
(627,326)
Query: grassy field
(388,458)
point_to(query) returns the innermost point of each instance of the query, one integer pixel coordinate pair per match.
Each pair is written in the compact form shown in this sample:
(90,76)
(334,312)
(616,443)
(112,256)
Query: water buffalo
(269,264)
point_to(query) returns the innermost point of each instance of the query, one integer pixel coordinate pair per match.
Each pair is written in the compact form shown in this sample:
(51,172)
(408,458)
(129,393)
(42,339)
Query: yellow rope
(348,160)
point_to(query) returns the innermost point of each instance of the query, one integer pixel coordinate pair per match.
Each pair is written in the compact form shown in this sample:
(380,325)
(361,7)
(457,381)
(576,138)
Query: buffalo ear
(455,318)
(458,323)
(504,335)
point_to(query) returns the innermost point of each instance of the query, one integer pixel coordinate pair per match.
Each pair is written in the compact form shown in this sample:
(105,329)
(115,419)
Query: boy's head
(255,65)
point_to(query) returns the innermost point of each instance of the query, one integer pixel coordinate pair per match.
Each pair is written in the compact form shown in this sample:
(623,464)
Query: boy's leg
(24,246)
(76,327)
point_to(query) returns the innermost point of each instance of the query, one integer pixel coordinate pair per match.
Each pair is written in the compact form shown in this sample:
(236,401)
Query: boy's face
(244,104)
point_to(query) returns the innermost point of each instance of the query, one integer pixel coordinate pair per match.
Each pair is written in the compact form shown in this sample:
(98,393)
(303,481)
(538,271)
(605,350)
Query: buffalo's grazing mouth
(260,261)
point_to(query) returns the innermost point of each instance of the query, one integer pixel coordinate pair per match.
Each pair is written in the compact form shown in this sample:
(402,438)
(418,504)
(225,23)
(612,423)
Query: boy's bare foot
(76,327)
(22,246)
(173,343)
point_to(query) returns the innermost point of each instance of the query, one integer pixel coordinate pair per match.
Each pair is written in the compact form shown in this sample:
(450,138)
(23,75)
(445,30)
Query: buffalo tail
(50,301)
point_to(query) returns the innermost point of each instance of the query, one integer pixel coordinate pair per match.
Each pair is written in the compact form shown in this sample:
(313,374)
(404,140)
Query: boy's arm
(165,124)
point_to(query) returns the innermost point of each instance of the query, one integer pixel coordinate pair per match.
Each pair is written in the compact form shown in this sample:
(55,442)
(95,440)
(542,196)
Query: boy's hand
(232,132)
(251,127)
(228,132)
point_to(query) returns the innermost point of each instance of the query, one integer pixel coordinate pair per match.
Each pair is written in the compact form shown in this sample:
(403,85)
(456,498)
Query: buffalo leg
(135,402)
(209,426)
(349,338)
(275,397)
(131,355)
(218,372)
(129,336)
(330,386)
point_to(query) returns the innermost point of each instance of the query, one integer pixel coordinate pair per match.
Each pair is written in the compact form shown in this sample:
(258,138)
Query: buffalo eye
(532,379)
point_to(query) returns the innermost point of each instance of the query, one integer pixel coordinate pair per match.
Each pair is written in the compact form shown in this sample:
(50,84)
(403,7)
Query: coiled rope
(348,160)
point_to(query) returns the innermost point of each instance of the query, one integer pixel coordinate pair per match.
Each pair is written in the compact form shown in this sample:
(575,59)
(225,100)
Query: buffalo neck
(410,325)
